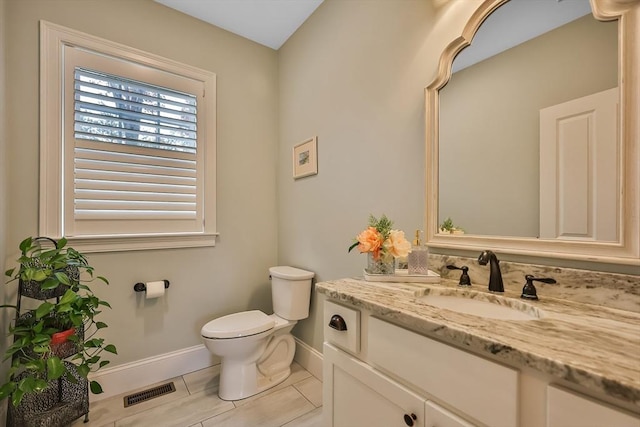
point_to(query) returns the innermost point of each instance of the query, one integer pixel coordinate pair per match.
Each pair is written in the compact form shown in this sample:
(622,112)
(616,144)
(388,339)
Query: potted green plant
(447,227)
(55,340)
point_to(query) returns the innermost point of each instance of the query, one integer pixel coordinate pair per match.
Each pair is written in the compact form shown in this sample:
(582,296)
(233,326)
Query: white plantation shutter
(121,184)
(135,150)
(129,160)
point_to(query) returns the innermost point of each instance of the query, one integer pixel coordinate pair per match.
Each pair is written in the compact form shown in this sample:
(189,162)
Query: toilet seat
(238,325)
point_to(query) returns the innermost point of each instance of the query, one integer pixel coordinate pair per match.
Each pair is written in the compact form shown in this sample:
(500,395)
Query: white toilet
(256,349)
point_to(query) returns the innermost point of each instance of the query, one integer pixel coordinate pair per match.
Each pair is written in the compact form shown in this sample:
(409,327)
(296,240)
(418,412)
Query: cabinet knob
(338,323)
(409,419)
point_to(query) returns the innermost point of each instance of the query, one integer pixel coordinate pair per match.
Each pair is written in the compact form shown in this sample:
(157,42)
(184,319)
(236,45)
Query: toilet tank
(291,292)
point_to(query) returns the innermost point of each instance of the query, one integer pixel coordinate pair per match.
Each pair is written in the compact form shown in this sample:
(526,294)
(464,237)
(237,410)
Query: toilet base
(233,388)
(240,381)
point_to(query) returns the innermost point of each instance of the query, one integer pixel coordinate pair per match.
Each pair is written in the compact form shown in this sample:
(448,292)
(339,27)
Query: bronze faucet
(495,275)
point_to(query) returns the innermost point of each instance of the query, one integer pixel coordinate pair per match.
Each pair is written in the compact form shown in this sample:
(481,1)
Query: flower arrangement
(383,244)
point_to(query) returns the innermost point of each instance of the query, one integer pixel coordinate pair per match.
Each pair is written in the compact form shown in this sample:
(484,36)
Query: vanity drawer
(477,387)
(336,317)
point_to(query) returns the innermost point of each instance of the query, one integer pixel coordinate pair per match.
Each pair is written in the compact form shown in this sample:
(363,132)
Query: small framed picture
(305,158)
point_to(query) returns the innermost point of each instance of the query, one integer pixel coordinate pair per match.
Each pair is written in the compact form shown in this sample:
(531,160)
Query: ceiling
(272,22)
(268,22)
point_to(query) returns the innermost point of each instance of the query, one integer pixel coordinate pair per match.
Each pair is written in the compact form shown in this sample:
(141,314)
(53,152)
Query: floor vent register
(143,396)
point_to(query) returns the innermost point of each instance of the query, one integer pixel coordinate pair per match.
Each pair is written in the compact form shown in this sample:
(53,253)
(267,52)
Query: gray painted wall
(205,282)
(4,314)
(354,75)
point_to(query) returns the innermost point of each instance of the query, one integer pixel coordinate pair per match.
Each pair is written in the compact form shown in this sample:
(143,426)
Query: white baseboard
(309,358)
(130,376)
(141,373)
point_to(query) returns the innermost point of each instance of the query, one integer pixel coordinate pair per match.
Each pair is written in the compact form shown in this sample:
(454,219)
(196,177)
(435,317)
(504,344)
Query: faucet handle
(529,290)
(465,280)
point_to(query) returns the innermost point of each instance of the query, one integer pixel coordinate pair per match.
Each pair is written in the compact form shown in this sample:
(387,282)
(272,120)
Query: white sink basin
(488,306)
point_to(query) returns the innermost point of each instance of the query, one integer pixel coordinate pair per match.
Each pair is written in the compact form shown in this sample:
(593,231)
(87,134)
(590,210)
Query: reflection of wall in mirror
(489,128)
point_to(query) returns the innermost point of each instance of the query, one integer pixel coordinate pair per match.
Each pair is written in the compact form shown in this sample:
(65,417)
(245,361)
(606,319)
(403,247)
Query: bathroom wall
(205,282)
(4,315)
(354,75)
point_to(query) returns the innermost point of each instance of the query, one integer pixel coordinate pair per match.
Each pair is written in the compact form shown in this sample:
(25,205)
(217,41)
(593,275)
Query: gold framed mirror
(622,244)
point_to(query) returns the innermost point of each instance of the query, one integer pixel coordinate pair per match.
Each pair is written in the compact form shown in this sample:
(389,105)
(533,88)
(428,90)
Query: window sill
(97,244)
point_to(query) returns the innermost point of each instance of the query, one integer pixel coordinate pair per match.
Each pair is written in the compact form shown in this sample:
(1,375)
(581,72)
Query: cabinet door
(481,389)
(436,416)
(566,409)
(356,395)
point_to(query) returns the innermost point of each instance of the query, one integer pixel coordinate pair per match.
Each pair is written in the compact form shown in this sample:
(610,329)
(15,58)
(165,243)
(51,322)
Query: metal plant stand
(65,399)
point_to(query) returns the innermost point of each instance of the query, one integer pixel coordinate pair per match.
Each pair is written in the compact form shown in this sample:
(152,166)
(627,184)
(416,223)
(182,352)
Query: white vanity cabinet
(358,395)
(568,409)
(481,389)
(400,378)
(361,396)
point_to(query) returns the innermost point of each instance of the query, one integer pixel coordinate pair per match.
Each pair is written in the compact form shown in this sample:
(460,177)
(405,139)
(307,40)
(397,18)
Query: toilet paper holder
(141,287)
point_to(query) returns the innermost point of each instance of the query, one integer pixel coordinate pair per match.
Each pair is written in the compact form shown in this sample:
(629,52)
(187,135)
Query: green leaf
(27,384)
(41,339)
(353,246)
(71,378)
(37,328)
(76,319)
(44,309)
(41,349)
(40,275)
(17,397)
(96,388)
(35,365)
(101,325)
(94,343)
(49,283)
(111,349)
(64,308)
(40,385)
(9,272)
(25,244)
(55,368)
(106,304)
(83,370)
(68,297)
(63,278)
(7,389)
(61,243)
(104,363)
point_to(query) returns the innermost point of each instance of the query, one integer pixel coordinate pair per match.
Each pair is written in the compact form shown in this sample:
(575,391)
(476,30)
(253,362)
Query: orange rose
(370,241)
(397,245)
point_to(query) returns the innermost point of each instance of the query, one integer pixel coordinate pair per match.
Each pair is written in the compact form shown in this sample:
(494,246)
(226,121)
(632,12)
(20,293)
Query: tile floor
(297,402)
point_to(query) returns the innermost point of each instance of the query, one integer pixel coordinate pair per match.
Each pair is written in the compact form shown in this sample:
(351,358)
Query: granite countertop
(594,346)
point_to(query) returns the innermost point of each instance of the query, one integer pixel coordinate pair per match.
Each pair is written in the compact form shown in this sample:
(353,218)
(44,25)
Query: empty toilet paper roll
(154,289)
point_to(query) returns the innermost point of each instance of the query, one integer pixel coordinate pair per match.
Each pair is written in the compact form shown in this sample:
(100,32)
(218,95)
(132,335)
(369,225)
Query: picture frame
(305,158)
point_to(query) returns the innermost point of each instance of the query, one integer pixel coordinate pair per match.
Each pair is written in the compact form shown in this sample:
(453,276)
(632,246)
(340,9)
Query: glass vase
(382,265)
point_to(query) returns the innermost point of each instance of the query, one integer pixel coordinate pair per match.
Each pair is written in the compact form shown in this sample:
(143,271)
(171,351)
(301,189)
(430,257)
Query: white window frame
(54,39)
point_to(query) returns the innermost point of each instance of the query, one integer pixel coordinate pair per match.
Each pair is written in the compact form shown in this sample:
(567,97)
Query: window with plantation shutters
(135,160)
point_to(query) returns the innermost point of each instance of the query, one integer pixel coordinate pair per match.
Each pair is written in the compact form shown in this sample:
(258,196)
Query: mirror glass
(531,138)
(526,56)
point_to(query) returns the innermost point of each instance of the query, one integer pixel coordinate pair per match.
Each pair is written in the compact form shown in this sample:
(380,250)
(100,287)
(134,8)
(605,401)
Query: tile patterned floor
(297,402)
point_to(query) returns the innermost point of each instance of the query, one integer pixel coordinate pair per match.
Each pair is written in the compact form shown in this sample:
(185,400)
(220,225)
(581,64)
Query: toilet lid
(238,325)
